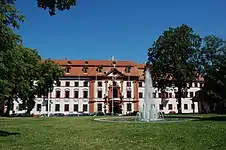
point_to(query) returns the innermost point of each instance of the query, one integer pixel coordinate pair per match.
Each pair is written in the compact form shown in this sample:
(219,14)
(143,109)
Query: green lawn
(85,134)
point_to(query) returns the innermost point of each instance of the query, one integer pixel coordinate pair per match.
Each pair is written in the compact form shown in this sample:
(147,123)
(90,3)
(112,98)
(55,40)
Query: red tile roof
(77,65)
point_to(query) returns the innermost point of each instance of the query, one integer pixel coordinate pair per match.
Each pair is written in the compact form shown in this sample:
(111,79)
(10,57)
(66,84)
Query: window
(66,107)
(99,94)
(39,95)
(170,106)
(57,107)
(67,70)
(196,84)
(185,94)
(192,106)
(185,106)
(85,107)
(128,84)
(201,84)
(190,84)
(154,95)
(67,83)
(166,95)
(160,95)
(67,94)
(115,93)
(128,107)
(76,95)
(11,106)
(48,107)
(161,106)
(114,83)
(85,84)
(99,84)
(58,83)
(38,108)
(140,95)
(170,95)
(85,94)
(140,84)
(20,107)
(191,94)
(99,107)
(76,84)
(75,107)
(128,94)
(57,94)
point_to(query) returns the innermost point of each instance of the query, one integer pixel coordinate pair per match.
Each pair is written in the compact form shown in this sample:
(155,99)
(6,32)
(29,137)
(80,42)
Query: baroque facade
(106,86)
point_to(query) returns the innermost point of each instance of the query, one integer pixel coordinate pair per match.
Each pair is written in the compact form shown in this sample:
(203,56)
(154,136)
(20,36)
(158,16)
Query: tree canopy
(213,69)
(20,67)
(173,56)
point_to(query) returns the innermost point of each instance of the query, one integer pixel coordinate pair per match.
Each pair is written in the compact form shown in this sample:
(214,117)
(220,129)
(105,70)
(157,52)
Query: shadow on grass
(5,133)
(215,118)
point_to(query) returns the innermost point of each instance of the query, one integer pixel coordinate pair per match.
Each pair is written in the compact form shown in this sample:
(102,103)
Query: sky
(125,29)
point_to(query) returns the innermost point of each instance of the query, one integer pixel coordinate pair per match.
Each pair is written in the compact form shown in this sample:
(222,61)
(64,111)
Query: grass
(85,134)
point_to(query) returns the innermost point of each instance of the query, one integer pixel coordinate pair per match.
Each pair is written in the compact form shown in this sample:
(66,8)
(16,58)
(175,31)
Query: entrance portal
(117,109)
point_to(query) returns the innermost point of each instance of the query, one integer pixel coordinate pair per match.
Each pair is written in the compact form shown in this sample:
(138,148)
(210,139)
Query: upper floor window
(76,94)
(129,94)
(58,83)
(57,94)
(191,94)
(154,95)
(67,83)
(140,84)
(85,94)
(85,84)
(140,94)
(67,94)
(196,84)
(128,84)
(76,84)
(99,84)
(114,83)
(99,94)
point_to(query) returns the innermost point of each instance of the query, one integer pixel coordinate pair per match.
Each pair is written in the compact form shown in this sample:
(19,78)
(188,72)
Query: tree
(51,5)
(174,56)
(49,74)
(213,69)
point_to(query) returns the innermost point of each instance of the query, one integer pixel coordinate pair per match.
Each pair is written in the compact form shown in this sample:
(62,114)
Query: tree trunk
(179,100)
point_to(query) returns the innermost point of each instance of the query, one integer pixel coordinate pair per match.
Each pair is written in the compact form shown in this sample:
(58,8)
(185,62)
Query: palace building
(106,86)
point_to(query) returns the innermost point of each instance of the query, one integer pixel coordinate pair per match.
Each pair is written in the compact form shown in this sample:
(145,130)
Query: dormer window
(67,69)
(69,63)
(127,69)
(99,69)
(85,67)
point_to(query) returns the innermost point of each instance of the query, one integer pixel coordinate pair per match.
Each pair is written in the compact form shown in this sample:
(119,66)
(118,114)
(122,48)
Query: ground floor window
(170,106)
(99,107)
(38,107)
(48,107)
(75,107)
(66,107)
(57,107)
(192,106)
(128,107)
(20,107)
(161,106)
(185,106)
(85,107)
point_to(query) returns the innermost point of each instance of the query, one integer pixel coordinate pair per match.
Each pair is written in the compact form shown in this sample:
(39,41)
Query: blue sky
(125,29)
